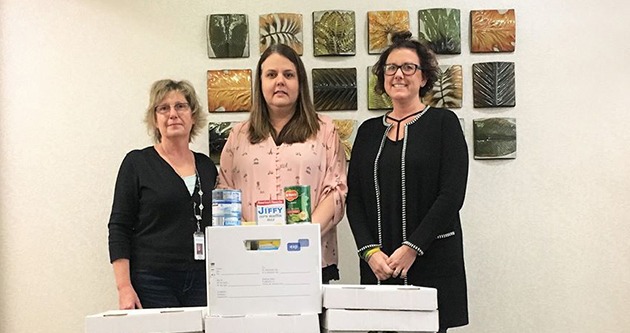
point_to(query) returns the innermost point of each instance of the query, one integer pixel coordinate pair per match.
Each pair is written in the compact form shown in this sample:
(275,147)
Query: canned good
(298,203)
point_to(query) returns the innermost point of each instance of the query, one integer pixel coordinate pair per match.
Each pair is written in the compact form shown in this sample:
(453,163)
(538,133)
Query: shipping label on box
(246,281)
(379,297)
(302,323)
(173,320)
(380,320)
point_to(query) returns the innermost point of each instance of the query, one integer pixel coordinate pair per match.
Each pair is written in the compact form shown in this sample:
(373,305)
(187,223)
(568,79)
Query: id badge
(199,248)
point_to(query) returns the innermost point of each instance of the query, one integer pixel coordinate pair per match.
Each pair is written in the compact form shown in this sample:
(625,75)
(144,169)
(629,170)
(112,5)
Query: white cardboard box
(380,320)
(379,297)
(172,320)
(247,282)
(302,323)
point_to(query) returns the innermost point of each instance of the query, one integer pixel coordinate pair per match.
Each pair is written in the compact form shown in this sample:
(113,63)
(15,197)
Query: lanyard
(200,192)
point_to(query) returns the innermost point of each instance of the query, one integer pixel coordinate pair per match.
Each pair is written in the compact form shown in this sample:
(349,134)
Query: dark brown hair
(428,62)
(304,123)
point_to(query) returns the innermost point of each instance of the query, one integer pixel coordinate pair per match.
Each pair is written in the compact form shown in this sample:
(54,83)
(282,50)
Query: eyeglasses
(407,68)
(166,108)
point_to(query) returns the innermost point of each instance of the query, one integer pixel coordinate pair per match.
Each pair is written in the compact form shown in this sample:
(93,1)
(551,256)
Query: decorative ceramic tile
(381,26)
(218,133)
(376,101)
(494,84)
(334,33)
(228,36)
(229,90)
(335,89)
(495,138)
(492,30)
(347,130)
(447,90)
(441,27)
(281,28)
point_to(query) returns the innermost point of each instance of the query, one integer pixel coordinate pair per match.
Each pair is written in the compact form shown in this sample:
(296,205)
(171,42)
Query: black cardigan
(435,160)
(152,221)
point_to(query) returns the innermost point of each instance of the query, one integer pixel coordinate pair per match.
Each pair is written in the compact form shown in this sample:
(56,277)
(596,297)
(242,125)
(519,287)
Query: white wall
(545,234)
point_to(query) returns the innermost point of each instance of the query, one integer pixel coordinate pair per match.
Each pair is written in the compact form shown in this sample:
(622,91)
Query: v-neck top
(152,220)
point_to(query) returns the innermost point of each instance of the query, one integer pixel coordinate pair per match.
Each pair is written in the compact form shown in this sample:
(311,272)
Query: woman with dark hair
(285,143)
(158,216)
(406,184)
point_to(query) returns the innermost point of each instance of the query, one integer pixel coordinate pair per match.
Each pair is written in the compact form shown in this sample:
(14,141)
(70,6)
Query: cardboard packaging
(166,320)
(286,280)
(270,212)
(379,297)
(336,320)
(302,323)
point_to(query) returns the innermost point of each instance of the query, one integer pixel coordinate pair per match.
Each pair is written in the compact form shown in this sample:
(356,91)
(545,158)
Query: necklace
(398,121)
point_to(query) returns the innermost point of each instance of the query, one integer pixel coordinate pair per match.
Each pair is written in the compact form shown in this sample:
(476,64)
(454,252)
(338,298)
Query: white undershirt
(190,182)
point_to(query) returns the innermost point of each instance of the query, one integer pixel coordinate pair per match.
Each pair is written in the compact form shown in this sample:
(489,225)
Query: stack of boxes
(271,289)
(363,308)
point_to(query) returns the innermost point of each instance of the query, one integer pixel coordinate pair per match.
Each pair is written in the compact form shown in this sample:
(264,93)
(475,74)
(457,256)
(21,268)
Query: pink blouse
(261,171)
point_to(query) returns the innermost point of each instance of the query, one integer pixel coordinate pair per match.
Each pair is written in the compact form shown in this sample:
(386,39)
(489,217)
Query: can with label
(226,207)
(298,203)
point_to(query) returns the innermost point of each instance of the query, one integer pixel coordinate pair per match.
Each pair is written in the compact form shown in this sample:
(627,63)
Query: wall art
(335,89)
(347,130)
(281,28)
(441,28)
(492,30)
(218,133)
(447,90)
(381,26)
(494,138)
(228,36)
(229,90)
(376,101)
(494,84)
(334,33)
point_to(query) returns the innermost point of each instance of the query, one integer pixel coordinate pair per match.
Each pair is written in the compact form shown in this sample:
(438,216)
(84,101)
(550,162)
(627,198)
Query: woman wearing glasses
(406,184)
(162,203)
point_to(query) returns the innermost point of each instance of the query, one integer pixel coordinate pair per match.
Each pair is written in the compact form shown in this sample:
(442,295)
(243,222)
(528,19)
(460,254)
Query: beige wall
(546,234)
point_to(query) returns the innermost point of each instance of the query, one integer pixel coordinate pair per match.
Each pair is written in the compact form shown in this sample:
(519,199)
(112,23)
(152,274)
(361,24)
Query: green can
(297,200)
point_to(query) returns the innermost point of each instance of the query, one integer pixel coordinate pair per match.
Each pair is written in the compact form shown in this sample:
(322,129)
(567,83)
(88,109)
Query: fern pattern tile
(376,101)
(228,36)
(448,89)
(441,28)
(381,26)
(494,84)
(335,89)
(492,31)
(281,28)
(218,133)
(334,33)
(494,138)
(229,90)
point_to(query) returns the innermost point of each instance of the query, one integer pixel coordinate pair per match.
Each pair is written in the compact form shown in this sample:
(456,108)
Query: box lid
(377,297)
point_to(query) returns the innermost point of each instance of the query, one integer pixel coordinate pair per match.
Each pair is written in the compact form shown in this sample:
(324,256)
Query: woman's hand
(401,260)
(378,264)
(128,299)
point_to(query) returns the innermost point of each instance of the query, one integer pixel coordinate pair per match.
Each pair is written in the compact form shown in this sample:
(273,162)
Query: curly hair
(428,61)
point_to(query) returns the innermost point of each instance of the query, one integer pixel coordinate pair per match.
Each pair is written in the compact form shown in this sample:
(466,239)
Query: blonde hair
(159,90)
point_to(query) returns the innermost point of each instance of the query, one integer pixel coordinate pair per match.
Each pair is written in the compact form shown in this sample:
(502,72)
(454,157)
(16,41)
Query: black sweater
(152,220)
(435,165)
